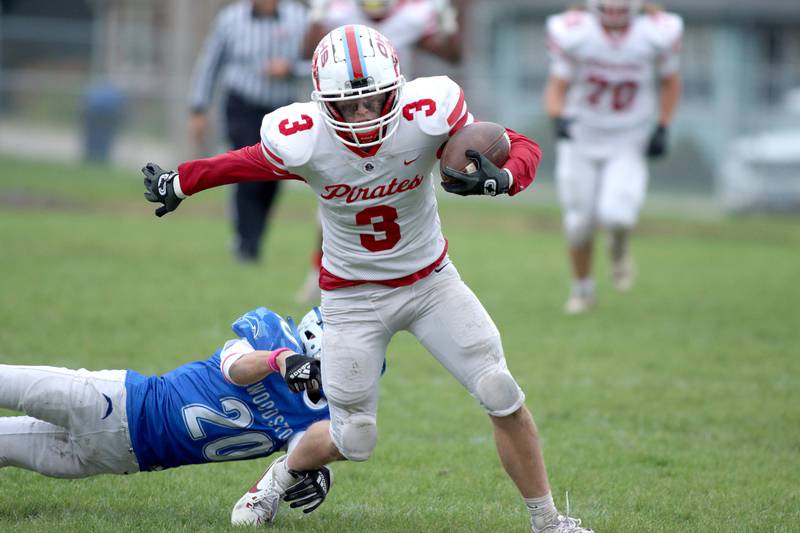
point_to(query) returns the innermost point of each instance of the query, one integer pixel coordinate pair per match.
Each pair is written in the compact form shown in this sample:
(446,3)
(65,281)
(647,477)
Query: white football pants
(606,191)
(442,313)
(77,423)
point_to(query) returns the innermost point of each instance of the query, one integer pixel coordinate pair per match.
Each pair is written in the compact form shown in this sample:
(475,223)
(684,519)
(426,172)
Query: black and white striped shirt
(239,49)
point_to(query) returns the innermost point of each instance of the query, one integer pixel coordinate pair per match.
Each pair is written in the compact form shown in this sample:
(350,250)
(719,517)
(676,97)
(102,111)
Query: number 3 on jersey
(305,123)
(382,219)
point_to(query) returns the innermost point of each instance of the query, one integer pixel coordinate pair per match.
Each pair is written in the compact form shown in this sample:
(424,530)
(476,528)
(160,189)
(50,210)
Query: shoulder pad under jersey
(568,30)
(251,323)
(264,328)
(288,134)
(663,29)
(436,104)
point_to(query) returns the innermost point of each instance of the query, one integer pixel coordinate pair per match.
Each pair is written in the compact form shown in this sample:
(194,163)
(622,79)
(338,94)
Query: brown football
(487,138)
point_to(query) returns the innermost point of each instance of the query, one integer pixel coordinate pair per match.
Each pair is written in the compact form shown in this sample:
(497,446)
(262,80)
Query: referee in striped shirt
(253,51)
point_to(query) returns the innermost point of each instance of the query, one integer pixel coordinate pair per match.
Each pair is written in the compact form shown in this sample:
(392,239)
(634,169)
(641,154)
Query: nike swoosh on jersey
(109,409)
(437,270)
(407,162)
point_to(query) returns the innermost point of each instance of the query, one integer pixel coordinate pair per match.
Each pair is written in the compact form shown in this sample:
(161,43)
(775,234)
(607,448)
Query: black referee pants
(252,201)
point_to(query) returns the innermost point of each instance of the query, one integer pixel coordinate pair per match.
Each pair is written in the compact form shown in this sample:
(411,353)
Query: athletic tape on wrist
(272,359)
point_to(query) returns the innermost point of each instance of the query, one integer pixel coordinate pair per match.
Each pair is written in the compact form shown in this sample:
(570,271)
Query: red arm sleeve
(246,164)
(523,159)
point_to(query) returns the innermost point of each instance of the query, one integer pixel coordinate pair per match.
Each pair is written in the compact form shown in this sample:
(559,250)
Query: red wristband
(272,359)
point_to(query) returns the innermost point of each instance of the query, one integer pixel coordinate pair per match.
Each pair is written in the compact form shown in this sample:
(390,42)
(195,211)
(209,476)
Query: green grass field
(672,408)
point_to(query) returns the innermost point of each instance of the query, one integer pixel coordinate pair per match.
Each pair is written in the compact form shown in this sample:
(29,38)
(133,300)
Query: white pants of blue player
(77,424)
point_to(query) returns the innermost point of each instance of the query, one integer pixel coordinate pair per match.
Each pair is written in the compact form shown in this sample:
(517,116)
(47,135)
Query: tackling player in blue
(256,395)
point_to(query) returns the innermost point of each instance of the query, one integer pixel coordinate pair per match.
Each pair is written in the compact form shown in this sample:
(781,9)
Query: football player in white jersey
(367,145)
(613,87)
(429,25)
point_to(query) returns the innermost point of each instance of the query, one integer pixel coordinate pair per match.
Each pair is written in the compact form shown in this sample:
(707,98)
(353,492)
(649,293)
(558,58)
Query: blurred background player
(232,406)
(430,26)
(253,50)
(613,87)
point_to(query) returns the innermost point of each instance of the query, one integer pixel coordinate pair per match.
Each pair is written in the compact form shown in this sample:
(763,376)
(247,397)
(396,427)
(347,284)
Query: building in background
(741,67)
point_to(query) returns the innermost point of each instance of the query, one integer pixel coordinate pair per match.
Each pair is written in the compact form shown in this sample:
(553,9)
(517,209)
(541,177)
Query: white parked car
(762,173)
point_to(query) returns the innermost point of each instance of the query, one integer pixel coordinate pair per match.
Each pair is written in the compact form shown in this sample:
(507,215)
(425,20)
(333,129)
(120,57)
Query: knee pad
(621,211)
(579,228)
(499,393)
(359,434)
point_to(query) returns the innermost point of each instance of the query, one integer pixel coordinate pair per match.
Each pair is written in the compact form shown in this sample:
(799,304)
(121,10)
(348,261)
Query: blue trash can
(103,113)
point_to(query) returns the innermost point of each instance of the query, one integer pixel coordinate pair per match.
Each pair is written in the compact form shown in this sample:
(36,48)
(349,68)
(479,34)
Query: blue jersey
(193,415)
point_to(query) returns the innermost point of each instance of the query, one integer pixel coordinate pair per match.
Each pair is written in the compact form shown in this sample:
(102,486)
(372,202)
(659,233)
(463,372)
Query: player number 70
(622,93)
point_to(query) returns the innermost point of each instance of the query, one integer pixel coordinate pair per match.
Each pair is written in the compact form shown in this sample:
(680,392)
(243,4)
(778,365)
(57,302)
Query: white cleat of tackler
(259,505)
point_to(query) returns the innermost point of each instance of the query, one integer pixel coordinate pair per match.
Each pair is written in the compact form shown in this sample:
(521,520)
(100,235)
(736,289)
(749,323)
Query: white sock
(584,287)
(543,511)
(282,476)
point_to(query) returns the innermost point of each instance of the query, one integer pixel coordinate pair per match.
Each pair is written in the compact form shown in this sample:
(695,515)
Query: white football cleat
(623,273)
(565,524)
(259,505)
(578,303)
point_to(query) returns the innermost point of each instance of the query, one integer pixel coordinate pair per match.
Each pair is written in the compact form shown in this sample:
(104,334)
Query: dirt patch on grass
(38,201)
(24,200)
